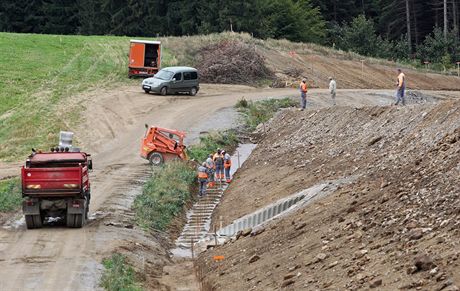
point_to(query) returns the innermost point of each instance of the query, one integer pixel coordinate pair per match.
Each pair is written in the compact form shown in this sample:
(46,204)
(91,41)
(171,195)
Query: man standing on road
(219,162)
(227,166)
(303,94)
(202,178)
(332,89)
(401,88)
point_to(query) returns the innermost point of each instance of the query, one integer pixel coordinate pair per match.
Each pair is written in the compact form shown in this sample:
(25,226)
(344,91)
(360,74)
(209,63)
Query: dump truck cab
(144,58)
(160,145)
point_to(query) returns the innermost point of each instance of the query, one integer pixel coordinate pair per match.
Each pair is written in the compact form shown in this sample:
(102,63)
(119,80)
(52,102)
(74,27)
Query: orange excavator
(160,145)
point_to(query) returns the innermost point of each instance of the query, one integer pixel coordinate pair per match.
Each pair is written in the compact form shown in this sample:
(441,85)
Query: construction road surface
(57,258)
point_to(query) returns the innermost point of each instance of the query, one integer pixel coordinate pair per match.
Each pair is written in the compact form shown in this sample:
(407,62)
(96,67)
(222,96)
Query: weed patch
(164,195)
(118,275)
(255,113)
(10,194)
(209,144)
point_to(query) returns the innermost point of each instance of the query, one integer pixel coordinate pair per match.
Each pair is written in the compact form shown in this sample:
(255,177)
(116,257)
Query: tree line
(397,29)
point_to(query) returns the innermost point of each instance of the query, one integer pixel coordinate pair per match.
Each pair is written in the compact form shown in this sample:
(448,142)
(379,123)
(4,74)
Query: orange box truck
(144,58)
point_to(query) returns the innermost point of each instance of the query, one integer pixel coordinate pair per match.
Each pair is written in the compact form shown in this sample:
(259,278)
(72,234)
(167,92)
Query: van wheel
(193,91)
(164,91)
(146,91)
(156,159)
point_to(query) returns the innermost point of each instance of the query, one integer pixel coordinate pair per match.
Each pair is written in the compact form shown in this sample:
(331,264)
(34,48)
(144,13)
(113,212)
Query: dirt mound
(394,225)
(231,62)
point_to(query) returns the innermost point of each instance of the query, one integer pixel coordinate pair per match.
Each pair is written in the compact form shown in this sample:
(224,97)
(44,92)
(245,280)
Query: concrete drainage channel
(199,216)
(271,211)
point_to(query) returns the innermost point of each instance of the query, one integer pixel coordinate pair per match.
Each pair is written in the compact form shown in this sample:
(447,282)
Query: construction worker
(303,94)
(219,162)
(332,89)
(202,178)
(401,88)
(227,166)
(211,170)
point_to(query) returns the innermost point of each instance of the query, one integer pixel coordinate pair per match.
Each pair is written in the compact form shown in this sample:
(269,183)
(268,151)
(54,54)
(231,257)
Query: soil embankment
(394,226)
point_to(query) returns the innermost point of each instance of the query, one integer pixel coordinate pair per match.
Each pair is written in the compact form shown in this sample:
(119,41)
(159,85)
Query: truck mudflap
(76,212)
(76,206)
(31,206)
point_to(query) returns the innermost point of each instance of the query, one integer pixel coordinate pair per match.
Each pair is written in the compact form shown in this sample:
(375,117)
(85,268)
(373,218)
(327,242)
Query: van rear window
(194,75)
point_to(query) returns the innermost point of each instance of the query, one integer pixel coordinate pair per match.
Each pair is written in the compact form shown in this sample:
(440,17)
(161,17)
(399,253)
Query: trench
(199,216)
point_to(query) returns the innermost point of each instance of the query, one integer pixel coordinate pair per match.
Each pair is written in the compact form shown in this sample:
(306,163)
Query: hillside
(45,78)
(390,222)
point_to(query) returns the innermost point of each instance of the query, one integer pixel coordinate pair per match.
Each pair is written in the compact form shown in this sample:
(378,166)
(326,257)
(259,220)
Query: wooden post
(458,69)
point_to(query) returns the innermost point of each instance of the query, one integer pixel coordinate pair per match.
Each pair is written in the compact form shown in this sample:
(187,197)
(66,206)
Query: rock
(246,231)
(238,234)
(253,259)
(341,219)
(257,230)
(288,276)
(300,226)
(321,256)
(376,283)
(287,283)
(424,263)
(333,264)
(415,234)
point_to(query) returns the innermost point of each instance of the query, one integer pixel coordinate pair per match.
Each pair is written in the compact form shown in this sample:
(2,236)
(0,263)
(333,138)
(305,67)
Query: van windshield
(164,75)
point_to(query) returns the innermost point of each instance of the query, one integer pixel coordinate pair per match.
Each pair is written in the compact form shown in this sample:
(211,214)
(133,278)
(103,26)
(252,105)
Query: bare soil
(56,258)
(395,226)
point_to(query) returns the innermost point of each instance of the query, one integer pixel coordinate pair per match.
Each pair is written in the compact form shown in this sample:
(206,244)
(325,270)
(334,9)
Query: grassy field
(40,76)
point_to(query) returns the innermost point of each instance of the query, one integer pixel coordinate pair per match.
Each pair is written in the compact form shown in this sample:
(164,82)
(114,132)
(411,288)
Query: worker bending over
(202,178)
(219,162)
(227,166)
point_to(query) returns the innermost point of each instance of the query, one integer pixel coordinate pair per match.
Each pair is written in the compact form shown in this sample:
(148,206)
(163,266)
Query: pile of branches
(232,62)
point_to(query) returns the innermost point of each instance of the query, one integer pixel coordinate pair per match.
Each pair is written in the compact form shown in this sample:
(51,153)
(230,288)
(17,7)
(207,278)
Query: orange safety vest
(202,175)
(227,163)
(303,87)
(401,80)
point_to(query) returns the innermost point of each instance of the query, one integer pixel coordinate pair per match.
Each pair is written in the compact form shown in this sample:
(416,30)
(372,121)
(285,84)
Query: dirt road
(57,258)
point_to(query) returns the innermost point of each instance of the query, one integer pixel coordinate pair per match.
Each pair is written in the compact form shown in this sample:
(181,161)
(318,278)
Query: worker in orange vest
(219,162)
(401,87)
(227,166)
(303,94)
(202,178)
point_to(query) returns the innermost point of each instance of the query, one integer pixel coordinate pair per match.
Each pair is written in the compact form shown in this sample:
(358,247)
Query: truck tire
(156,159)
(75,220)
(33,221)
(193,91)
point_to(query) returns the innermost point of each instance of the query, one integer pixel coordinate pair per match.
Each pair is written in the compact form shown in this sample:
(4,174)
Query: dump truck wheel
(156,159)
(33,221)
(75,220)
(30,221)
(193,91)
(164,91)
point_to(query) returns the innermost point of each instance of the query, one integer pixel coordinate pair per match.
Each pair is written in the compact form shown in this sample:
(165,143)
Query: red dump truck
(56,185)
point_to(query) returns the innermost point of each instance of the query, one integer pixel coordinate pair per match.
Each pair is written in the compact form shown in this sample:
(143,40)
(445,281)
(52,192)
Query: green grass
(118,275)
(164,196)
(255,113)
(209,144)
(40,82)
(10,194)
